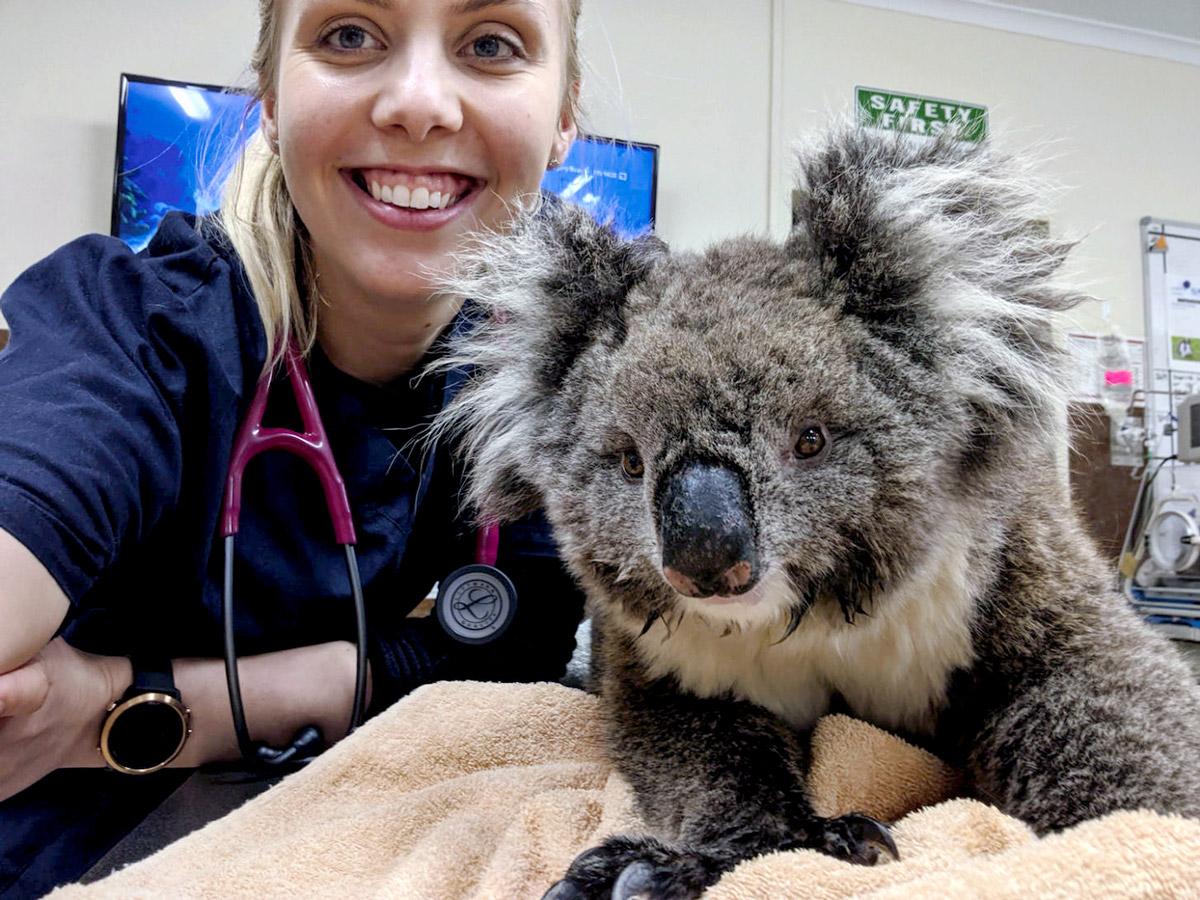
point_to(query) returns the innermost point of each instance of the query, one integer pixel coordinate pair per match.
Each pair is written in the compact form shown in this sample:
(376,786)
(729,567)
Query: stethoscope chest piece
(476,604)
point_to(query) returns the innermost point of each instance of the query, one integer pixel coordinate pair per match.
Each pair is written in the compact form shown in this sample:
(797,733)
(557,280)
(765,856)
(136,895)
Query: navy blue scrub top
(121,389)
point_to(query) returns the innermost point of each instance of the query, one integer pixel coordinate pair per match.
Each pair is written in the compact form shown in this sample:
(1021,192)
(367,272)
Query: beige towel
(483,790)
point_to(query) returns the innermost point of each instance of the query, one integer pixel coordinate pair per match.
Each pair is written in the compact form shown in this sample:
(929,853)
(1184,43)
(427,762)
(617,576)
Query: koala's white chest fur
(892,668)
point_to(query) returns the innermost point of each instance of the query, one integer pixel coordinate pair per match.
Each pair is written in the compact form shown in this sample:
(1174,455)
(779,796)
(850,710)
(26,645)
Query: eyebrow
(461,8)
(466,7)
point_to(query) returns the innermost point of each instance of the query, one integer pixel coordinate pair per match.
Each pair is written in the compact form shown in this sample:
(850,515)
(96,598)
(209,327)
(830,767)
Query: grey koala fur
(924,570)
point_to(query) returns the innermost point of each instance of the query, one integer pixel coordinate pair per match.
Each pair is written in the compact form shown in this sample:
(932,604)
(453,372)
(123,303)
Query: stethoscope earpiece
(306,743)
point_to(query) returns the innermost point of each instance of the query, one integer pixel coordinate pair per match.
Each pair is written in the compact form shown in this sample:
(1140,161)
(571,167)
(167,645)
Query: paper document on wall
(1184,319)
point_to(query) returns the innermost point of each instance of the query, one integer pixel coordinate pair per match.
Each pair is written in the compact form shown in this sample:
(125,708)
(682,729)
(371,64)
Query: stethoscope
(475,603)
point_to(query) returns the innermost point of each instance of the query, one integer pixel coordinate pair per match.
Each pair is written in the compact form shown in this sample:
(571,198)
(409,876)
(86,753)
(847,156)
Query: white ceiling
(1174,18)
(1167,29)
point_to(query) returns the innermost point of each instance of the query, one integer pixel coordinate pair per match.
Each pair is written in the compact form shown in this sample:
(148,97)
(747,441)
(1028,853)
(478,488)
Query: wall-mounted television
(613,180)
(176,142)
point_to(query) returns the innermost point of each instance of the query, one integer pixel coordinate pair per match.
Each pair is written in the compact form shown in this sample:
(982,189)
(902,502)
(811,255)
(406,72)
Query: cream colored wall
(695,76)
(59,80)
(1122,131)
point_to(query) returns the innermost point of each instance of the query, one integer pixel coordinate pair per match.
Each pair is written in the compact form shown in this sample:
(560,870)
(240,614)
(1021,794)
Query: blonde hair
(260,220)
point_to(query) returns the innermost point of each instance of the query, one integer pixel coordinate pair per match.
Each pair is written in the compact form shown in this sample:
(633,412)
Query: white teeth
(415,198)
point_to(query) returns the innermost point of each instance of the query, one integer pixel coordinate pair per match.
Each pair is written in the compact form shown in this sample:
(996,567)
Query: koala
(813,475)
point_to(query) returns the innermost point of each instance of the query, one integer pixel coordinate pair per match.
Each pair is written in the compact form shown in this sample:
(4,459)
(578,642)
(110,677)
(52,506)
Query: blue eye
(348,37)
(488,46)
(492,46)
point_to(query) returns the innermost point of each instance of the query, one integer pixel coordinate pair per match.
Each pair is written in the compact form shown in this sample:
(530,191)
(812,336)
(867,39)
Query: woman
(389,131)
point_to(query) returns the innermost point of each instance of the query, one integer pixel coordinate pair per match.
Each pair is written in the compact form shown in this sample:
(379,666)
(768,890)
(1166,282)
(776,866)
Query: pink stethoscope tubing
(311,445)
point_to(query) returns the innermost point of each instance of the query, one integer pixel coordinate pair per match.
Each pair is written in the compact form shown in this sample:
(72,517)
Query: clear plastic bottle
(1116,375)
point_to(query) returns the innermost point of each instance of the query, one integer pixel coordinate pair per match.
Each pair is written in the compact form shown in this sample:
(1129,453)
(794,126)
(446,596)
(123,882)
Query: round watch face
(146,735)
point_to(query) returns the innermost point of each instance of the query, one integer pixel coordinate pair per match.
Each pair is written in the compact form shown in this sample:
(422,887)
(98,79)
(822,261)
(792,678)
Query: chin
(408,276)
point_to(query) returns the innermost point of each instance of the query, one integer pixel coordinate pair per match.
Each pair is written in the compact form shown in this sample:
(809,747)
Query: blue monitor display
(177,141)
(614,180)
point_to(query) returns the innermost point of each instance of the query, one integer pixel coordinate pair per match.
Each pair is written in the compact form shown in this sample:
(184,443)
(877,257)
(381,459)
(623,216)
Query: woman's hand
(51,710)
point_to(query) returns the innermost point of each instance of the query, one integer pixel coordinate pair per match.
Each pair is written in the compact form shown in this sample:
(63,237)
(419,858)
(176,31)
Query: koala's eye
(811,442)
(632,465)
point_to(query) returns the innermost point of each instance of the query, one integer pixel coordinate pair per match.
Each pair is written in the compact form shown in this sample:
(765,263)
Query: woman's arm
(282,692)
(53,706)
(32,605)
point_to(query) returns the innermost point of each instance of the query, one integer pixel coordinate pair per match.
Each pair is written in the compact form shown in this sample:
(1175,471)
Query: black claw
(636,880)
(564,890)
(872,831)
(854,837)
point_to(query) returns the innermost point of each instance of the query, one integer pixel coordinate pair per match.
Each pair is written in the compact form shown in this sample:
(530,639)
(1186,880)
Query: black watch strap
(152,673)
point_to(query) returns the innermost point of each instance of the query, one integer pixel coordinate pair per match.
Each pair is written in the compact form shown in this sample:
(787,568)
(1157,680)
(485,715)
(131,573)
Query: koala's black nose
(707,533)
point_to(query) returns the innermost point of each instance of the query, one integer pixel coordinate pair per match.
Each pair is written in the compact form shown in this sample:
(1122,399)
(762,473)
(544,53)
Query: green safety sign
(914,114)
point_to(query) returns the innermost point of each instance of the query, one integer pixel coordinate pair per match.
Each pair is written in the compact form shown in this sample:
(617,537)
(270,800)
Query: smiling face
(402,125)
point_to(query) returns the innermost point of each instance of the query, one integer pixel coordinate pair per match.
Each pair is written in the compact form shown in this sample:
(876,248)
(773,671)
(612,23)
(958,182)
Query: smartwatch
(147,727)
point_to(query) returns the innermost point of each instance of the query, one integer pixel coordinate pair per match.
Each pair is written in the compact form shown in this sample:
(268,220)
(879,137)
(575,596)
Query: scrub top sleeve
(405,656)
(91,388)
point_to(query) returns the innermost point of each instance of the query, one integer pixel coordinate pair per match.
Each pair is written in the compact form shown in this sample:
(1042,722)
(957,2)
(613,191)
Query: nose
(418,93)
(707,532)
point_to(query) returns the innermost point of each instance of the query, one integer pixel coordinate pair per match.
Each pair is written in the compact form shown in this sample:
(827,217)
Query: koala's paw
(636,868)
(855,838)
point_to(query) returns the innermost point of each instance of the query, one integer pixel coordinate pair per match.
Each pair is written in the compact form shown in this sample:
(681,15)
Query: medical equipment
(1188,432)
(1160,572)
(313,447)
(1173,536)
(475,604)
(1160,559)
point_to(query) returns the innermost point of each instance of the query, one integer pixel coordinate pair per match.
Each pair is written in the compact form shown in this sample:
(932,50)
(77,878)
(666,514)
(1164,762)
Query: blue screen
(613,180)
(177,145)
(179,142)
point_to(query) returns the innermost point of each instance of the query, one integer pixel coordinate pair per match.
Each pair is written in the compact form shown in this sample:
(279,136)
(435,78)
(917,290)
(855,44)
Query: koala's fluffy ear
(932,244)
(552,286)
(887,219)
